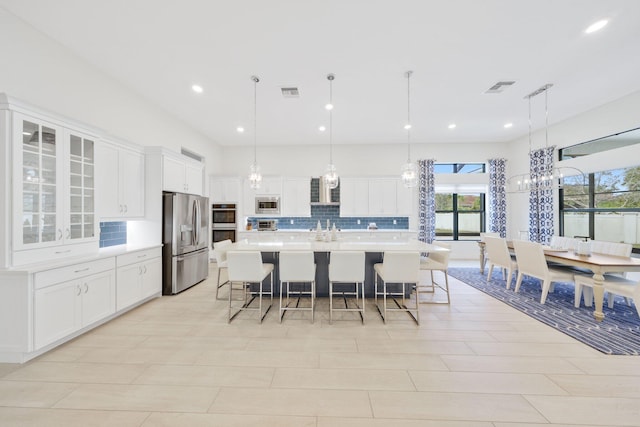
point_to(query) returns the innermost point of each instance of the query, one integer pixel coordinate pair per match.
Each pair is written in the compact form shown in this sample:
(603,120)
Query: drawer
(138,256)
(75,271)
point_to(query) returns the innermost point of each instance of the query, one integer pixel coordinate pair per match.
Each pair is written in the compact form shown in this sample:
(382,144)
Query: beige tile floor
(176,362)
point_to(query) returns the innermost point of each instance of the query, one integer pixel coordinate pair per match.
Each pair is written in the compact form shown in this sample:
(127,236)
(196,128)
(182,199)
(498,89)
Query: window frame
(591,211)
(455,235)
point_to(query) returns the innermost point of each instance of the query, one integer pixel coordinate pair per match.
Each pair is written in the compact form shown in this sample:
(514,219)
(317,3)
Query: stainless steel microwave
(267,205)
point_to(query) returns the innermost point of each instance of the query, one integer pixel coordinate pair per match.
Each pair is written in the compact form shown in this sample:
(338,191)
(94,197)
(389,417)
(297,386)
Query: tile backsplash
(332,213)
(113,233)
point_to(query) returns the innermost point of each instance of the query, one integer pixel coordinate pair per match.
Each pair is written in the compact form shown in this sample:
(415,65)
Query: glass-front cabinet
(81,214)
(54,191)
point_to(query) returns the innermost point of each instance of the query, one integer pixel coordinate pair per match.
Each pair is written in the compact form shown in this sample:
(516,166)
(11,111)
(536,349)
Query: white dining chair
(397,268)
(246,268)
(436,261)
(483,248)
(346,272)
(220,253)
(613,285)
(297,269)
(531,262)
(499,256)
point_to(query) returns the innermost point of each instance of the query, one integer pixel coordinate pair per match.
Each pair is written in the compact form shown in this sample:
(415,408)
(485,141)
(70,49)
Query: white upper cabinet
(122,193)
(405,198)
(54,185)
(181,174)
(224,189)
(382,196)
(354,196)
(296,196)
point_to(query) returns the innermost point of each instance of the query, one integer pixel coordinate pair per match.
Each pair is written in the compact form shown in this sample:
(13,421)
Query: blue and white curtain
(498,196)
(540,197)
(426,202)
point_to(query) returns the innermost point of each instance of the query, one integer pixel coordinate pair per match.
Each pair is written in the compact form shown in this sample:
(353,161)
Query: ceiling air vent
(499,86)
(290,92)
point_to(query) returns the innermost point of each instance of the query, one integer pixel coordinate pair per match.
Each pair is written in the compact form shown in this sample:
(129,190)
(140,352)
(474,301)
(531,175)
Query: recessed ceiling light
(452,126)
(322,128)
(596,26)
(197,88)
(407,126)
(329,106)
(240,129)
(508,125)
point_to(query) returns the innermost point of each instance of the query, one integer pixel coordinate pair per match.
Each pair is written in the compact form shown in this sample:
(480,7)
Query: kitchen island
(374,250)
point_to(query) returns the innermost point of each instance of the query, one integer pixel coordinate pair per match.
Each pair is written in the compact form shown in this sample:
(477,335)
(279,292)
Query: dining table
(596,264)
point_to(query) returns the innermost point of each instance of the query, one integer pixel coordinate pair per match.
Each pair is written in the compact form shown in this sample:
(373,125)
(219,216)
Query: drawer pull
(81,270)
(63,252)
(142,256)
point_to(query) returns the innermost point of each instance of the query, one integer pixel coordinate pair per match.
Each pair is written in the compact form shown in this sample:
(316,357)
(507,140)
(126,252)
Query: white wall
(350,160)
(614,117)
(44,73)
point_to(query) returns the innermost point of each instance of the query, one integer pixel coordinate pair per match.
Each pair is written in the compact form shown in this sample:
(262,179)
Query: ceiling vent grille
(500,86)
(290,92)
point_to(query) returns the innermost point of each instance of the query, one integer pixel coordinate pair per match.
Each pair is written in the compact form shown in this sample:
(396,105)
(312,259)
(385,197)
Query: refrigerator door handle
(194,214)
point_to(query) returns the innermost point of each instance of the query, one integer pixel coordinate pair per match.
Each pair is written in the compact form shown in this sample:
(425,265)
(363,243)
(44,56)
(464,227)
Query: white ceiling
(456,48)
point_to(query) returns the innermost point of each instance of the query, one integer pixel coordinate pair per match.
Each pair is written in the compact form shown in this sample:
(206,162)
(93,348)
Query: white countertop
(348,230)
(338,245)
(111,251)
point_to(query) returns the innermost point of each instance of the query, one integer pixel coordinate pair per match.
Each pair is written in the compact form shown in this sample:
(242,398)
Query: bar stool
(346,268)
(436,261)
(398,267)
(297,268)
(246,267)
(220,253)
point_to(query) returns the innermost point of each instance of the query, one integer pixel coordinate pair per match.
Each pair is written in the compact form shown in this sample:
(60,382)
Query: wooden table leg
(598,296)
(482,260)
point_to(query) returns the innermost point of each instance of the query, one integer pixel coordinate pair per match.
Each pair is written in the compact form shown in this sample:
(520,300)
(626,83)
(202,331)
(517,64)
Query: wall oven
(223,222)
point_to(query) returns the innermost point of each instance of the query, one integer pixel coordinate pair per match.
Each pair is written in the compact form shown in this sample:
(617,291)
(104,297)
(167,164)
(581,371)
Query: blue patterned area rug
(619,333)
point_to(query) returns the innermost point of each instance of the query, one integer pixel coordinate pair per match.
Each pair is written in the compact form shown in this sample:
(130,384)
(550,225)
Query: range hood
(321,195)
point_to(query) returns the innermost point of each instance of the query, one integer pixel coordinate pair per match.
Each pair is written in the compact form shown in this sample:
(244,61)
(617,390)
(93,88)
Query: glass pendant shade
(409,175)
(331,179)
(255,178)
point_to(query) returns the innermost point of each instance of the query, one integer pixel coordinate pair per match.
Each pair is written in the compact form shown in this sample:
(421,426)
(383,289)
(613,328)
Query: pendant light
(255,178)
(331,179)
(409,173)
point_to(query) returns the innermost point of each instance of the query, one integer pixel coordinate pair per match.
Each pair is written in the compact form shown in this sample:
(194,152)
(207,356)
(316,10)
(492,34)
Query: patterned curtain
(427,202)
(498,197)
(541,198)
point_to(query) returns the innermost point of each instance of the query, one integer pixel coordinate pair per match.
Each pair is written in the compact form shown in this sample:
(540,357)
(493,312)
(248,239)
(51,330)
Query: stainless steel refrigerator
(185,236)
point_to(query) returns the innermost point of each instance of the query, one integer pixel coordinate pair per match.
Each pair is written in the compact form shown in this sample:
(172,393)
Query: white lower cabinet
(63,308)
(139,276)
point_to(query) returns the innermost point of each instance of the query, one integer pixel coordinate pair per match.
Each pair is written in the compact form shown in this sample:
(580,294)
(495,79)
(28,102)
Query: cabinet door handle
(68,233)
(59,233)
(79,290)
(120,208)
(86,288)
(139,270)
(145,269)
(125,209)
(81,270)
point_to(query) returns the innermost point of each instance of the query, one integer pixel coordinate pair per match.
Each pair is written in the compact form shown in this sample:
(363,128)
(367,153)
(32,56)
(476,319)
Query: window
(611,142)
(460,216)
(605,207)
(459,168)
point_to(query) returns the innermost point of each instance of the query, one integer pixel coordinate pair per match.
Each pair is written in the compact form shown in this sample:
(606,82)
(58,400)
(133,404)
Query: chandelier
(551,177)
